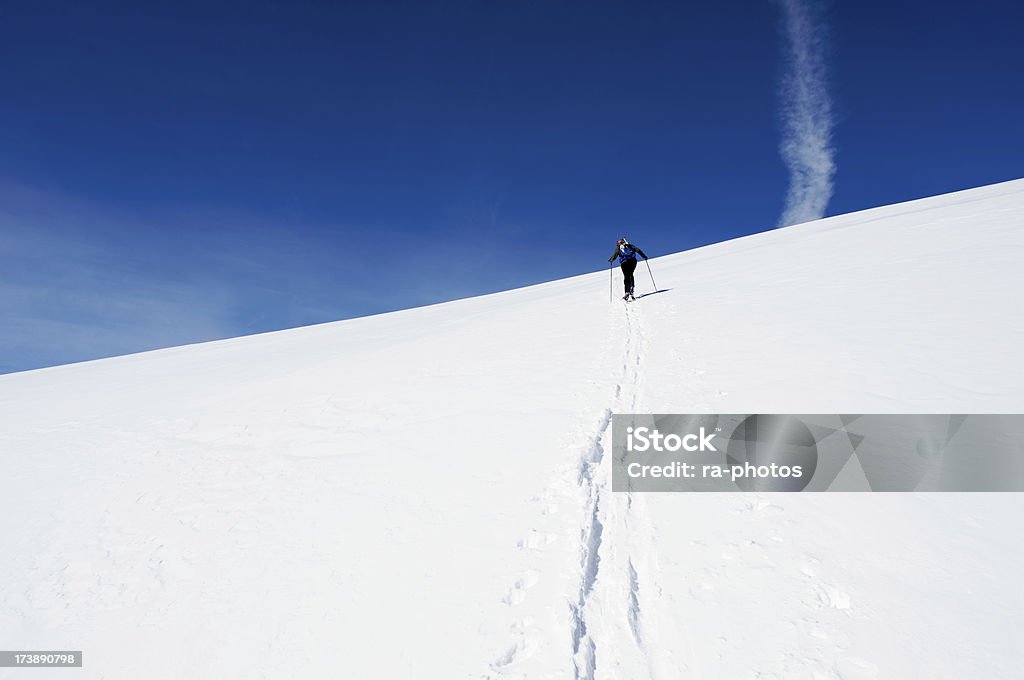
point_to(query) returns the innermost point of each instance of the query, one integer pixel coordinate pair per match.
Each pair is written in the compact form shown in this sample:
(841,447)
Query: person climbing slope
(627,252)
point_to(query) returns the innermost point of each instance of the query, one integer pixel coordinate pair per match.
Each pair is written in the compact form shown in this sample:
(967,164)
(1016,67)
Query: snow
(425,493)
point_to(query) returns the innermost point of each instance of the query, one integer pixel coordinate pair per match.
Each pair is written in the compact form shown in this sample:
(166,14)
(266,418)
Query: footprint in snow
(832,597)
(535,541)
(517,593)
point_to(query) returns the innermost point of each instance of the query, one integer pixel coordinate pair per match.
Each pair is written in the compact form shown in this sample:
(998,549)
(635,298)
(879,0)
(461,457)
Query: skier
(627,252)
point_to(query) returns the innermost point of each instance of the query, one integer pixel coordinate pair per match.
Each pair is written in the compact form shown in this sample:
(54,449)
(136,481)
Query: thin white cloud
(65,300)
(806,115)
(81,281)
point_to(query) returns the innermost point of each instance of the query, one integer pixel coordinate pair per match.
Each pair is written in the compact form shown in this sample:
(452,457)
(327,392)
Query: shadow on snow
(663,290)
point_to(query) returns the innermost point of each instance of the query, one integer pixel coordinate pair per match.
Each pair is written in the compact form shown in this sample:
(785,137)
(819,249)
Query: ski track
(618,576)
(612,580)
(594,479)
(628,576)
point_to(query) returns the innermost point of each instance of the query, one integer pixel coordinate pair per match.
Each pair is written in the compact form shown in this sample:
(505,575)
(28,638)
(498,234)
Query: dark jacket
(632,250)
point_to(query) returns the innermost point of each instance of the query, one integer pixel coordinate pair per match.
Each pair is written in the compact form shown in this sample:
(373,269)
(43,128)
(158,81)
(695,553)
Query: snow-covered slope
(423,494)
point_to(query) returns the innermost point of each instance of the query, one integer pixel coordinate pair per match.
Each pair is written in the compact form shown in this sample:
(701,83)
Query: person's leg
(628,267)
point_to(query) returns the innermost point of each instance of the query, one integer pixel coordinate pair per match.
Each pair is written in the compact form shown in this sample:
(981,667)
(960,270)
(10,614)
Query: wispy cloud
(66,298)
(81,280)
(806,115)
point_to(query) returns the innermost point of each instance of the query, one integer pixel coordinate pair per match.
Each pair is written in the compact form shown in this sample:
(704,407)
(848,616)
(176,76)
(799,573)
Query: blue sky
(178,172)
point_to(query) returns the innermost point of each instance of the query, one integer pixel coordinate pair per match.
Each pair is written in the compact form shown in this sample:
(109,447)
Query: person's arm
(639,252)
(615,254)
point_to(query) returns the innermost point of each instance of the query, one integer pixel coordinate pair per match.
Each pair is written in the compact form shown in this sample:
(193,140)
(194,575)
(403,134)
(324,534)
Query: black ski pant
(628,267)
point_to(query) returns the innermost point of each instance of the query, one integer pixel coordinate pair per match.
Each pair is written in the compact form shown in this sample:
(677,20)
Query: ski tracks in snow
(613,592)
(619,600)
(601,597)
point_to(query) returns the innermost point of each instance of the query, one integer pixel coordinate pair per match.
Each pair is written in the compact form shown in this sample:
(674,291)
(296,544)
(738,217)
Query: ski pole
(652,275)
(611,268)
